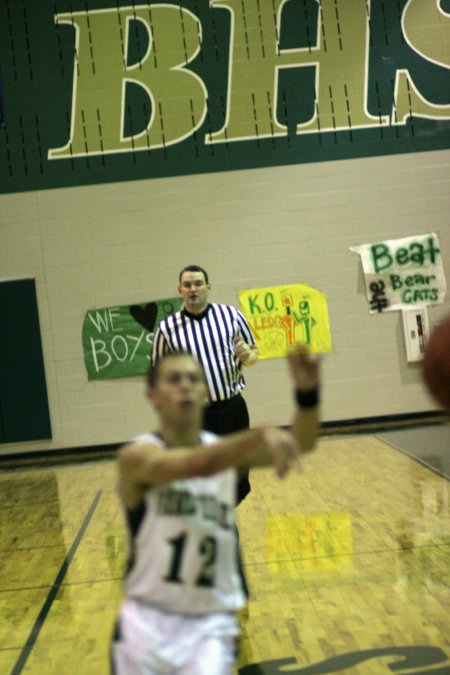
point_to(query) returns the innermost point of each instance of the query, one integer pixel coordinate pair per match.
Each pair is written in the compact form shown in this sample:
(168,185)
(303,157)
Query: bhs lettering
(178,99)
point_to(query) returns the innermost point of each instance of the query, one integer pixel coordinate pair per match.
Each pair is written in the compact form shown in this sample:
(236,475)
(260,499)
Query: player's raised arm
(178,395)
(305,372)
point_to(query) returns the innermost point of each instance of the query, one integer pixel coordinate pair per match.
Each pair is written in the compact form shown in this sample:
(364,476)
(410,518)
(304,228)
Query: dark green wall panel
(23,392)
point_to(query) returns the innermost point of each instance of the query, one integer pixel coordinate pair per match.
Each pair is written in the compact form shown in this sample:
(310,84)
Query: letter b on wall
(166,38)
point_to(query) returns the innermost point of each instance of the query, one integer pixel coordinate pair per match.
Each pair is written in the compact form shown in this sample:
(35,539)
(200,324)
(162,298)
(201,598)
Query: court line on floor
(48,602)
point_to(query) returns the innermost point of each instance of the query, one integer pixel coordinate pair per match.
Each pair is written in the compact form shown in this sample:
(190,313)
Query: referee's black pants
(226,417)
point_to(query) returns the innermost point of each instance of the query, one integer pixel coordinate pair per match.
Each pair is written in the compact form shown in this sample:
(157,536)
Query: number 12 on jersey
(207,553)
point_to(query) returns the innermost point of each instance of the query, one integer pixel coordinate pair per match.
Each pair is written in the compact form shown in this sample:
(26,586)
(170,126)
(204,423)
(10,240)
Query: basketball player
(221,340)
(177,486)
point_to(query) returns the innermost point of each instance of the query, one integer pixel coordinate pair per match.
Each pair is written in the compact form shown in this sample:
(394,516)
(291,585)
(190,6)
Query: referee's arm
(247,354)
(253,356)
(246,349)
(158,348)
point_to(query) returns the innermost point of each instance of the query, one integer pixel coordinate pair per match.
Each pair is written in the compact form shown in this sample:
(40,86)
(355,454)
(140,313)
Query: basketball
(436,364)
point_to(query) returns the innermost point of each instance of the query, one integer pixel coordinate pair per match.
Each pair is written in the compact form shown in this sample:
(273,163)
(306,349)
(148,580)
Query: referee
(221,340)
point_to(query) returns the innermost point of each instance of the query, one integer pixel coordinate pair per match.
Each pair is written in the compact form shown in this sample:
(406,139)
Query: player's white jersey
(183,544)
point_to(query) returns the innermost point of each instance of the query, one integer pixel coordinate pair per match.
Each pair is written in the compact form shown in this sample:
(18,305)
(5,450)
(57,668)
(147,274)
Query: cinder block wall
(114,244)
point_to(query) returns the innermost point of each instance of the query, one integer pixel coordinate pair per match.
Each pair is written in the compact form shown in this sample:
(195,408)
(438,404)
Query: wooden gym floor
(348,563)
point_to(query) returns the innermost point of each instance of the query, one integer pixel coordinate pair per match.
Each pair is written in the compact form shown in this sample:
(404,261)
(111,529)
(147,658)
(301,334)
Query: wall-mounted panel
(24,413)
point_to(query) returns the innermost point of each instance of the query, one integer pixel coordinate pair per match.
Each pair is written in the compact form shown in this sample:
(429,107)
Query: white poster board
(402,274)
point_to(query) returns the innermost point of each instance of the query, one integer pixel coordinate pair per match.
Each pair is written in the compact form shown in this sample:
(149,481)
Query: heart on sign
(145,316)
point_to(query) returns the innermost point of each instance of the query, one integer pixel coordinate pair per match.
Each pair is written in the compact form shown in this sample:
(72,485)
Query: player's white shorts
(151,642)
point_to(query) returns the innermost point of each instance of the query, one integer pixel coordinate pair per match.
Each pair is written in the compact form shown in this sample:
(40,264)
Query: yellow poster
(282,316)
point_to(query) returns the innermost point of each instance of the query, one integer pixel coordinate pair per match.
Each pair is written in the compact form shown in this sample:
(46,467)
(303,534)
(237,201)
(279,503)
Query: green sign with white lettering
(117,341)
(95,91)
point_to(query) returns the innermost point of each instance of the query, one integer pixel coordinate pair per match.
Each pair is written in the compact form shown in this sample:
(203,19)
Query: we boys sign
(117,341)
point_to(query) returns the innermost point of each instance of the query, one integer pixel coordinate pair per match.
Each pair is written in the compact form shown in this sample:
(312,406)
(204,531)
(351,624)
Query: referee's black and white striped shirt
(209,336)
